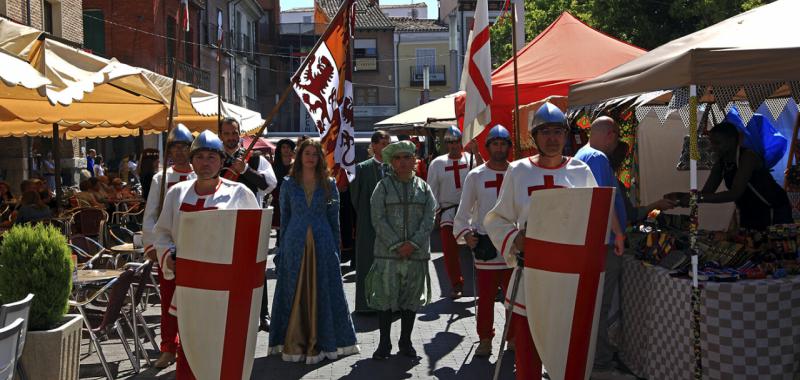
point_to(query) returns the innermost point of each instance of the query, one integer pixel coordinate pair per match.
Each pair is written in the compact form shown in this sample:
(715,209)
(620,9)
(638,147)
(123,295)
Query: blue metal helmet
(452,133)
(208,141)
(180,134)
(548,114)
(498,132)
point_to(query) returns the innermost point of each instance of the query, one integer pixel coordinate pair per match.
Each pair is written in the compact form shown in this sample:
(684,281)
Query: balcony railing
(302,28)
(242,43)
(438,75)
(196,76)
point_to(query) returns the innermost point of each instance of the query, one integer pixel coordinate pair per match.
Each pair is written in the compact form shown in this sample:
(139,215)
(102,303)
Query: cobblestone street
(444,336)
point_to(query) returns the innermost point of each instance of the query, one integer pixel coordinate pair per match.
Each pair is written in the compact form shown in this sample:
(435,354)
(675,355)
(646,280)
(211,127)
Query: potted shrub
(36,259)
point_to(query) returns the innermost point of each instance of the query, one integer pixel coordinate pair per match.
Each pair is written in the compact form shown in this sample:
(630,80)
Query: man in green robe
(368,174)
(403,213)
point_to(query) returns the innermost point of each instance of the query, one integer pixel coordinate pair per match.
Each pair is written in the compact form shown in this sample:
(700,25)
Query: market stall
(700,304)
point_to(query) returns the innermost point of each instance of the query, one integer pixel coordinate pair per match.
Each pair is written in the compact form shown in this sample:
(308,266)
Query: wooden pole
(219,84)
(171,117)
(269,118)
(57,162)
(517,129)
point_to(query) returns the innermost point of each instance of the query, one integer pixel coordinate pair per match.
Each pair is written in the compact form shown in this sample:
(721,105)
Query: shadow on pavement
(396,367)
(277,368)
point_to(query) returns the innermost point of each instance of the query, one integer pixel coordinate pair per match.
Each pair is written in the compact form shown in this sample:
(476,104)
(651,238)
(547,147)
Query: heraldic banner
(565,251)
(219,287)
(324,85)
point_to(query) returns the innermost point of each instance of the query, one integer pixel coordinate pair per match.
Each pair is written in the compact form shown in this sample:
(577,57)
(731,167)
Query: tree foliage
(644,23)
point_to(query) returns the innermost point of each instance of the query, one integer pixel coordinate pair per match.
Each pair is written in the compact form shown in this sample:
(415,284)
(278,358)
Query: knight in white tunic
(481,188)
(505,223)
(446,176)
(207,192)
(178,144)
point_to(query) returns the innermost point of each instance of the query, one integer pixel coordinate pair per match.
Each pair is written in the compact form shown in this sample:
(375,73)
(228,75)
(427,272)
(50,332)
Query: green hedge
(36,259)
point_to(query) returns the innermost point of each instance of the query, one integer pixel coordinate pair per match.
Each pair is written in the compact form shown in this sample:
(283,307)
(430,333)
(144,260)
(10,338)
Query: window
(307,19)
(426,56)
(365,49)
(366,54)
(94,34)
(366,96)
(170,38)
(48,17)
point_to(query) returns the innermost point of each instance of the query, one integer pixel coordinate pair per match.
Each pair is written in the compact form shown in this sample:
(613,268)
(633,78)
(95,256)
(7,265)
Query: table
(748,329)
(125,249)
(89,276)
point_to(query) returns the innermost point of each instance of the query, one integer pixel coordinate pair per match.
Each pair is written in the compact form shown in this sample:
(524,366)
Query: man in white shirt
(481,188)
(505,223)
(178,144)
(207,192)
(446,175)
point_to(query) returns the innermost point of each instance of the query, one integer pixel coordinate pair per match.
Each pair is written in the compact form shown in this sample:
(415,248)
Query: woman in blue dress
(310,317)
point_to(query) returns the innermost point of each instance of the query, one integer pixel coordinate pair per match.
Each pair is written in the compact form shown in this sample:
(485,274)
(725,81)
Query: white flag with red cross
(478,70)
(222,257)
(565,250)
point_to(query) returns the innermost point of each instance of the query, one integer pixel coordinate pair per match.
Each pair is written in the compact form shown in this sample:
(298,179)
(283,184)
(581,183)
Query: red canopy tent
(567,52)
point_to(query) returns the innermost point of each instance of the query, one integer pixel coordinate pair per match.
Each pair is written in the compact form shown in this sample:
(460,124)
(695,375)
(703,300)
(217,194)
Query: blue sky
(433,9)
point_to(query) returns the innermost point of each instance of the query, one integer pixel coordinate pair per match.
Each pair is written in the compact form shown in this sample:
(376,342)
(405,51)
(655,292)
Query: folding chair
(118,291)
(14,311)
(140,284)
(9,343)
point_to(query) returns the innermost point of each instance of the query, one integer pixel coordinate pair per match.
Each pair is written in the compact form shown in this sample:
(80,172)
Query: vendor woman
(761,202)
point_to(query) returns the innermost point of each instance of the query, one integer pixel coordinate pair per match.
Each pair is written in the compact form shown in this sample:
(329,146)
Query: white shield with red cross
(219,282)
(565,250)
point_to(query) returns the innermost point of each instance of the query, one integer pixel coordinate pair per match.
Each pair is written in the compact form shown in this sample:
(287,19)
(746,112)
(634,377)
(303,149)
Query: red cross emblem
(181,178)
(197,206)
(239,279)
(549,183)
(588,262)
(496,183)
(456,169)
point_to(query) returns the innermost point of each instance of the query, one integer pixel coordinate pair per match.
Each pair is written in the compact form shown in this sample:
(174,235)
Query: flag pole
(219,81)
(170,118)
(517,129)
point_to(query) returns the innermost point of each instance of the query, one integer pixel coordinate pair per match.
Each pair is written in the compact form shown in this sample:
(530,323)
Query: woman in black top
(761,202)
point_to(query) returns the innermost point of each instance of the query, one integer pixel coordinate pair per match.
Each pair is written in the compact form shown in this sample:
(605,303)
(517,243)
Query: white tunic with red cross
(151,210)
(182,197)
(510,214)
(481,189)
(446,177)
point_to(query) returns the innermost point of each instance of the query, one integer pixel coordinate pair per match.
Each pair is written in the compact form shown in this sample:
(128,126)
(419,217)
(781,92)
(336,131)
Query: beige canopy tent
(758,46)
(99,92)
(439,113)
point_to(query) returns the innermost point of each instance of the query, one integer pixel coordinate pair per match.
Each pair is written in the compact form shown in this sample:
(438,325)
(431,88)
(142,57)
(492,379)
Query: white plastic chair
(9,343)
(11,312)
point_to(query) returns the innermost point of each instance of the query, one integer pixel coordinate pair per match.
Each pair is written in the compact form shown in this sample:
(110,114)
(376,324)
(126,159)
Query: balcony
(301,28)
(438,75)
(195,76)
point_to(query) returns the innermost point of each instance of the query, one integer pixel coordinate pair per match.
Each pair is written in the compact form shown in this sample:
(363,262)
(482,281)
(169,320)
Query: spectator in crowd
(49,170)
(5,192)
(99,167)
(147,168)
(32,209)
(90,161)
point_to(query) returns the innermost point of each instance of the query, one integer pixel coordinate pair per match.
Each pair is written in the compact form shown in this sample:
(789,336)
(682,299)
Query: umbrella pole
(219,86)
(57,162)
(517,129)
(170,117)
(694,221)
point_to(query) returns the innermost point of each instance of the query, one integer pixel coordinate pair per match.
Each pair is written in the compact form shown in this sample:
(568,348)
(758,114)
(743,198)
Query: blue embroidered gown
(310,317)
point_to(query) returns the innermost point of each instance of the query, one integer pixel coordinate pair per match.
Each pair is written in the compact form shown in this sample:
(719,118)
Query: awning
(758,46)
